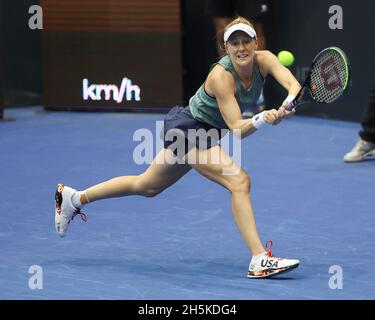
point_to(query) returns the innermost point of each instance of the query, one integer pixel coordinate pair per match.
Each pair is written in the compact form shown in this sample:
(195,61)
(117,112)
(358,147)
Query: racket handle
(290,106)
(291,101)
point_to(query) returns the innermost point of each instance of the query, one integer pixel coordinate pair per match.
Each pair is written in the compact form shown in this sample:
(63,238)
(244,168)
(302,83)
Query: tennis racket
(328,78)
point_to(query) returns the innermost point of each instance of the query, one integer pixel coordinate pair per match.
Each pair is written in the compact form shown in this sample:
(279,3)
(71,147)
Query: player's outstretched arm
(222,85)
(271,65)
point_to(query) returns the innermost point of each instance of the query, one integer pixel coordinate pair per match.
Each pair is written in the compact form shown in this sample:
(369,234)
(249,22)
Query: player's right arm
(221,85)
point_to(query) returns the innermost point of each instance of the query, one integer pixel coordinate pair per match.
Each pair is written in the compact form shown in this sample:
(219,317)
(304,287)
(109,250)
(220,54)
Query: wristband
(289,99)
(258,120)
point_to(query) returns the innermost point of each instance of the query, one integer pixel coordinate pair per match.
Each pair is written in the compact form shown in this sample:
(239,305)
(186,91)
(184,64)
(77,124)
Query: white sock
(76,199)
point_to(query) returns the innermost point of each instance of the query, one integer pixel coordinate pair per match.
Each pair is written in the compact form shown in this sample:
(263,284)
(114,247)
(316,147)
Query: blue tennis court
(184,243)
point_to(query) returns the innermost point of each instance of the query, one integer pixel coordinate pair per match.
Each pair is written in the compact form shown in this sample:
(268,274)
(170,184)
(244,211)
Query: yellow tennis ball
(286,58)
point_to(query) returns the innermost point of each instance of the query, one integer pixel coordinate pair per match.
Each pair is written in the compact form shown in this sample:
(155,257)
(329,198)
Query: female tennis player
(233,83)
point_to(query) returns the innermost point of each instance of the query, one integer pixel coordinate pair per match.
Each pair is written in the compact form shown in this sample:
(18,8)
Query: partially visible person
(365,146)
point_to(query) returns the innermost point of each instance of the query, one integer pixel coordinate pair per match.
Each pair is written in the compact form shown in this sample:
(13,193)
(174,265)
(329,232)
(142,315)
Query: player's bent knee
(240,182)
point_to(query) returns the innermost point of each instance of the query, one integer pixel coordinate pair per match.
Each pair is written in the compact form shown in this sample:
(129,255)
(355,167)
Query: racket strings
(328,77)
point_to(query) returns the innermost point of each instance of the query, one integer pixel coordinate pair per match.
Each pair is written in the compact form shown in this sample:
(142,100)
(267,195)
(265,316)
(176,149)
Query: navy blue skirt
(178,121)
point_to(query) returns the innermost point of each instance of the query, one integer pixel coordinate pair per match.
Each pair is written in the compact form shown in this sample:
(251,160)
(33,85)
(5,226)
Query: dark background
(106,41)
(21,49)
(173,65)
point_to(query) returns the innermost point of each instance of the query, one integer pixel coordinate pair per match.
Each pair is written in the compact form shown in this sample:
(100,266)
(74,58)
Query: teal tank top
(205,108)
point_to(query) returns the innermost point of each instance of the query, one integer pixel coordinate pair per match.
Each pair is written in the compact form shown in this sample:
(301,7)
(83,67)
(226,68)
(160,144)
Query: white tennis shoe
(361,150)
(266,265)
(64,209)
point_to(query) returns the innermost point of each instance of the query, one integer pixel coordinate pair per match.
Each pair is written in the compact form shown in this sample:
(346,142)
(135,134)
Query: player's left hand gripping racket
(328,78)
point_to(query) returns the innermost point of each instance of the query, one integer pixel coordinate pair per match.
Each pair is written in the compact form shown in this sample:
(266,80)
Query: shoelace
(81,214)
(269,253)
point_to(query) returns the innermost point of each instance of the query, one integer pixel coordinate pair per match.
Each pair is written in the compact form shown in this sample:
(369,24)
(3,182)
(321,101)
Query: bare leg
(159,176)
(212,164)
